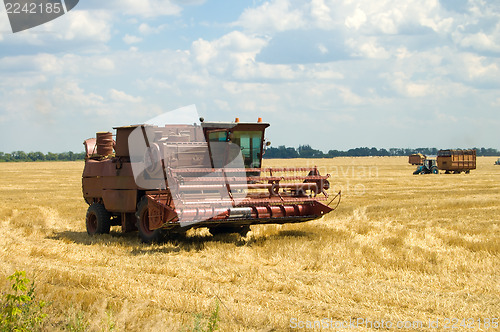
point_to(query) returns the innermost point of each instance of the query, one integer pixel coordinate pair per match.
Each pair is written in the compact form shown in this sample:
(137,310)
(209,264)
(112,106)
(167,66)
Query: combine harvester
(450,161)
(164,180)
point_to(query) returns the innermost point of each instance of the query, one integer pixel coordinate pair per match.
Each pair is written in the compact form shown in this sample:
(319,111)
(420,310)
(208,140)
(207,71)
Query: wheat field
(399,248)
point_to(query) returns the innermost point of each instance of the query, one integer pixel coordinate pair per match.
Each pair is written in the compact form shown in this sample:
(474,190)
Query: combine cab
(166,180)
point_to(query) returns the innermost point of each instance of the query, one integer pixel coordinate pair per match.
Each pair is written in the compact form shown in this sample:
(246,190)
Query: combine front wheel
(147,235)
(97,219)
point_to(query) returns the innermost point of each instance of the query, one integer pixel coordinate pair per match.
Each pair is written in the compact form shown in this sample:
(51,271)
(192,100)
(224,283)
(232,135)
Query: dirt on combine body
(186,176)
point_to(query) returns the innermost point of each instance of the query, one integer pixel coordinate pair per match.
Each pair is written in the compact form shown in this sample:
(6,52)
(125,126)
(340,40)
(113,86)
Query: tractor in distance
(429,166)
(449,161)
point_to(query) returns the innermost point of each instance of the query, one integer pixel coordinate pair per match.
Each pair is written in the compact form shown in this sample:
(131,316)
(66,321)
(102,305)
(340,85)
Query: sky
(334,74)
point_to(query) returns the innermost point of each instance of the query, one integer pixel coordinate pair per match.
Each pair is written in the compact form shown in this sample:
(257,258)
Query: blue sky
(335,74)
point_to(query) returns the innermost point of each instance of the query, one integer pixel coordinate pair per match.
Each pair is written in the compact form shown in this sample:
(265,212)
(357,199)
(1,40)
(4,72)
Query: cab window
(217,136)
(250,144)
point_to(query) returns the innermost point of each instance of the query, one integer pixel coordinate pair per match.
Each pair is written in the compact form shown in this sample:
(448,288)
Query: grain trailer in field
(187,176)
(416,159)
(449,161)
(456,161)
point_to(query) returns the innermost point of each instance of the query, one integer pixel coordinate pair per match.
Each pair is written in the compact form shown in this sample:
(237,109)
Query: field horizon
(399,248)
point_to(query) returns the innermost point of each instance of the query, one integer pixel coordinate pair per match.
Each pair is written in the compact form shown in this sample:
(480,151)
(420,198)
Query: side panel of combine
(456,160)
(111,182)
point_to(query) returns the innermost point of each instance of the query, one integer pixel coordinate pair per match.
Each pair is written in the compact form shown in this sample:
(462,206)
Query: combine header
(167,179)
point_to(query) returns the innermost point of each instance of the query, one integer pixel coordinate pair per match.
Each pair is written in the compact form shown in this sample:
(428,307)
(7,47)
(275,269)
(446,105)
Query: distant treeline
(303,151)
(40,156)
(306,151)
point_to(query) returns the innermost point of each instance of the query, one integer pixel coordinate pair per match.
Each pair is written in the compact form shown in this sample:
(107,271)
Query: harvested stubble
(399,248)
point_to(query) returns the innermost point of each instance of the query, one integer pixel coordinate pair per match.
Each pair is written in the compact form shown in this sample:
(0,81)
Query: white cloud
(53,65)
(46,63)
(322,49)
(349,97)
(222,105)
(444,117)
(477,67)
(121,96)
(148,8)
(496,103)
(70,93)
(204,51)
(234,49)
(14,80)
(386,17)
(321,14)
(368,48)
(38,105)
(403,53)
(323,72)
(417,89)
(83,25)
(240,42)
(104,64)
(146,29)
(387,22)
(156,84)
(130,39)
(404,85)
(260,71)
(357,19)
(272,16)
(479,41)
(77,26)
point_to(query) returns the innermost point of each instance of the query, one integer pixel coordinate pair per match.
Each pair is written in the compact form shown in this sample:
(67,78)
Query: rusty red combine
(167,179)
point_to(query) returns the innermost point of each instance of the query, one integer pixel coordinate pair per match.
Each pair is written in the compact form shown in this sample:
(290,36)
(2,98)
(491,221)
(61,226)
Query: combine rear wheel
(147,235)
(98,219)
